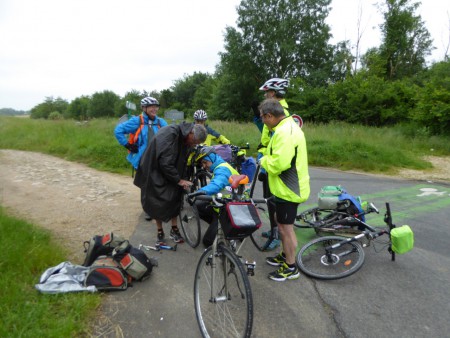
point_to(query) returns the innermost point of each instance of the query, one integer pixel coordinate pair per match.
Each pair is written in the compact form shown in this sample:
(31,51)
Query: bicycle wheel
(201,179)
(342,261)
(190,224)
(222,295)
(259,240)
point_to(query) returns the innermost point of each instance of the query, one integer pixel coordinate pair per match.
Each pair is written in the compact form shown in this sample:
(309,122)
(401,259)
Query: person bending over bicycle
(222,171)
(200,117)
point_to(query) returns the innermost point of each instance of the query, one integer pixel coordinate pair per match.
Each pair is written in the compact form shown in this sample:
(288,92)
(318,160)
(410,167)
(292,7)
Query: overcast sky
(69,48)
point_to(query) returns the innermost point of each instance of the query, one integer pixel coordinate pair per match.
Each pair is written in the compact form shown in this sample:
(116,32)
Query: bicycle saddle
(236,180)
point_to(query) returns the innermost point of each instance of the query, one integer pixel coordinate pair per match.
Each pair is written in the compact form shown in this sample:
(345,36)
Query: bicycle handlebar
(219,200)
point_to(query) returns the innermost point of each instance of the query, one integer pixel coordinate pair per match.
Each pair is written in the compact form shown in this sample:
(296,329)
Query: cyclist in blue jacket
(150,107)
(222,171)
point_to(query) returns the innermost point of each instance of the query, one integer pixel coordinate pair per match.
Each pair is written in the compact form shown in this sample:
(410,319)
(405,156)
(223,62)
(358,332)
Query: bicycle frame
(370,234)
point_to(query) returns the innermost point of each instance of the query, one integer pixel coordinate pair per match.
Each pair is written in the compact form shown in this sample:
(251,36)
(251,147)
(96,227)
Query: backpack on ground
(106,275)
(100,245)
(133,261)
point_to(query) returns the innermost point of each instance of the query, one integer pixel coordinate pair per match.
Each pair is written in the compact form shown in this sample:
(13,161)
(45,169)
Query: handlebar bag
(239,220)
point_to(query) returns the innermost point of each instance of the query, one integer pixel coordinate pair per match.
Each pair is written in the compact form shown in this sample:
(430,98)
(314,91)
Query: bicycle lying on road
(326,221)
(334,257)
(222,292)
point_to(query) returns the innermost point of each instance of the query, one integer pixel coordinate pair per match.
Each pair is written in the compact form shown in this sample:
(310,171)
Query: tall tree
(78,108)
(405,40)
(274,38)
(183,90)
(102,104)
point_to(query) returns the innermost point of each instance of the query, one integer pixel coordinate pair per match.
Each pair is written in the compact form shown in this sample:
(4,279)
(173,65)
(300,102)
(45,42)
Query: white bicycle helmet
(200,115)
(277,84)
(149,101)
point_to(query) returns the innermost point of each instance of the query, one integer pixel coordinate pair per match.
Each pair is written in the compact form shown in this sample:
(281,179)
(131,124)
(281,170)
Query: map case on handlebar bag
(239,220)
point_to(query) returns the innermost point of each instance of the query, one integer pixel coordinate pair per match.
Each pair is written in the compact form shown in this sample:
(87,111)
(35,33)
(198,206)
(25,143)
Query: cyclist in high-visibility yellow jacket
(200,117)
(286,163)
(275,88)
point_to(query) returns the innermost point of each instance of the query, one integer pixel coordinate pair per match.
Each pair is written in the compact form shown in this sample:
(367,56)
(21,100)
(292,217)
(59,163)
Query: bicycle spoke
(318,260)
(224,308)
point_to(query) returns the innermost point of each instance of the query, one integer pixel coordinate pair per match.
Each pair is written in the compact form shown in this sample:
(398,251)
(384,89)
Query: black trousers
(207,214)
(266,194)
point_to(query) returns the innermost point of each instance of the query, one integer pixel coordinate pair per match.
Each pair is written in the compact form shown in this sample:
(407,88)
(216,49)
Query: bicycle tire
(201,179)
(223,315)
(311,258)
(257,237)
(190,224)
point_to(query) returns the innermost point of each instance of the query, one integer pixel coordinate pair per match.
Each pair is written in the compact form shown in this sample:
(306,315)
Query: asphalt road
(406,298)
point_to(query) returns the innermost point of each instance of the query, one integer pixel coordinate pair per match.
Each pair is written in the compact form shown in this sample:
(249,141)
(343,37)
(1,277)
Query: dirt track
(72,200)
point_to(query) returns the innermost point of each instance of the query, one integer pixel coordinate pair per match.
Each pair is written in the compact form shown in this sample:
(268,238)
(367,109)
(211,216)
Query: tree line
(386,85)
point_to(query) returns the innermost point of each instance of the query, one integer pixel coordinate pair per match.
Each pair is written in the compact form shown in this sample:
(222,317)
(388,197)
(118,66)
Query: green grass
(27,252)
(336,145)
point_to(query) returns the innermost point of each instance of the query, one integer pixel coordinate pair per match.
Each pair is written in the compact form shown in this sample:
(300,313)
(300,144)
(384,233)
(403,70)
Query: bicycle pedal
(250,268)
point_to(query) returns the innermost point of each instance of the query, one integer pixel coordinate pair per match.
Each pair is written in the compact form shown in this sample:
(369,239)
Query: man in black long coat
(160,173)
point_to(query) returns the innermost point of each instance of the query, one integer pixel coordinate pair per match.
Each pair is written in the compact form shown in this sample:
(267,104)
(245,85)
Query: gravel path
(72,200)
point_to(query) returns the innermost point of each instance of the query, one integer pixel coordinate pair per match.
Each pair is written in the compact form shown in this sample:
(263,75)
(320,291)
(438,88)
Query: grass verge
(335,145)
(27,252)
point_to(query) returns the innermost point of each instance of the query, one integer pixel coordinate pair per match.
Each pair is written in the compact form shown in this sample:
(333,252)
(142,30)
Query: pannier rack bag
(100,245)
(106,275)
(402,239)
(133,260)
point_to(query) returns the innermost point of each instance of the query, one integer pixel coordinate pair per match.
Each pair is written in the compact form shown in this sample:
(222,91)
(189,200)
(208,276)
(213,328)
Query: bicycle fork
(251,265)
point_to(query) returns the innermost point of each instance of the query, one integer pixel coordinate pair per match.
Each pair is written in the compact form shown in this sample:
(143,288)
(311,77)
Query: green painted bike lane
(407,203)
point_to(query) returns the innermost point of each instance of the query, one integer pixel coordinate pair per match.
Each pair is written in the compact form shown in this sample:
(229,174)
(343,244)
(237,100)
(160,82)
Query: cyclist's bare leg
(289,241)
(159,224)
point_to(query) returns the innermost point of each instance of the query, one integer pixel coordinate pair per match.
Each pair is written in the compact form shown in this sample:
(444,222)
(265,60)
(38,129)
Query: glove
(223,140)
(262,176)
(255,105)
(192,195)
(133,148)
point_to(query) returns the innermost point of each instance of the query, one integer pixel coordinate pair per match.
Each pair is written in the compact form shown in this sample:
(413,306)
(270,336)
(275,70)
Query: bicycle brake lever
(216,203)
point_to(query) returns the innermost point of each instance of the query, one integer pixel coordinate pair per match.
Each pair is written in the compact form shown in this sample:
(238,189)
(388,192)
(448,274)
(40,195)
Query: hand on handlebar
(191,196)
